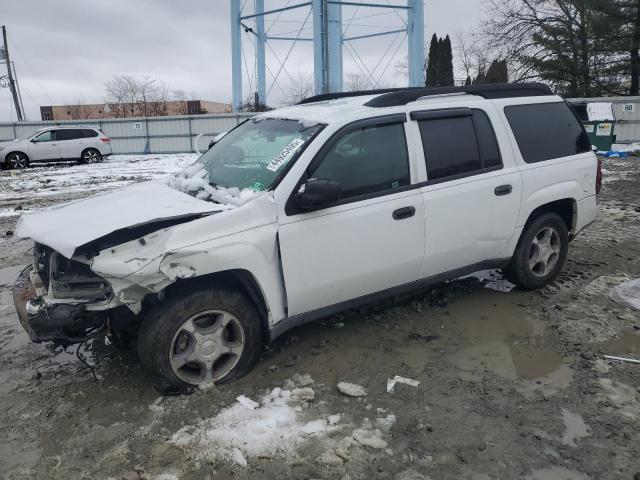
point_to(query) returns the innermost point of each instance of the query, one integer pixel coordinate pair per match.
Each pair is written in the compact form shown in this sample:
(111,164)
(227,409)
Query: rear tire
(16,161)
(541,253)
(201,336)
(91,155)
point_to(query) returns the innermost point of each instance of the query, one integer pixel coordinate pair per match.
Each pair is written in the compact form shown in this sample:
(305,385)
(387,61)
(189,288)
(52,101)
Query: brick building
(123,110)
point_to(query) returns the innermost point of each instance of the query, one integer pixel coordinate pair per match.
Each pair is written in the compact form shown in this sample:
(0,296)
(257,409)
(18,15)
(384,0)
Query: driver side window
(367,160)
(45,137)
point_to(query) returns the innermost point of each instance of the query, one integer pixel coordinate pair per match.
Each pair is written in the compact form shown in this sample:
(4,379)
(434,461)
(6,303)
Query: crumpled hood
(69,226)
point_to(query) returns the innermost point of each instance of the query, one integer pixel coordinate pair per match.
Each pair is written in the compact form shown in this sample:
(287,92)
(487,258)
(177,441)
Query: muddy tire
(541,253)
(201,336)
(90,155)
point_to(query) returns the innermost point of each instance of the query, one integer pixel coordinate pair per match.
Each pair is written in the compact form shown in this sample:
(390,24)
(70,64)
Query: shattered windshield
(252,155)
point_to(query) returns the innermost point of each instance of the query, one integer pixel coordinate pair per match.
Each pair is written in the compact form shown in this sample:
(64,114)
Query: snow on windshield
(194,181)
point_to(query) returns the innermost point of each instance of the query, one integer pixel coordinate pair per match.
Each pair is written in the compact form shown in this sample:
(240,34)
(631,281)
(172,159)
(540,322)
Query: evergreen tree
(446,66)
(497,72)
(440,62)
(617,26)
(432,63)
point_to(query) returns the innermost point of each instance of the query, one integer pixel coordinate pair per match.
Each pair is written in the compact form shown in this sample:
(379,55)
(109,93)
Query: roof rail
(401,96)
(324,97)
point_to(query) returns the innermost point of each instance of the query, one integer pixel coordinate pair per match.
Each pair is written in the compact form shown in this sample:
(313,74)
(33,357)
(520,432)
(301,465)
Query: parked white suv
(308,210)
(86,144)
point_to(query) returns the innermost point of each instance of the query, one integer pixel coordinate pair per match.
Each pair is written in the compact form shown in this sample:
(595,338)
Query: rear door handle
(402,213)
(503,190)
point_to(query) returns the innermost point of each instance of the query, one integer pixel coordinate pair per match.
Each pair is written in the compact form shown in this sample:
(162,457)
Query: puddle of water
(627,345)
(575,428)
(499,336)
(556,473)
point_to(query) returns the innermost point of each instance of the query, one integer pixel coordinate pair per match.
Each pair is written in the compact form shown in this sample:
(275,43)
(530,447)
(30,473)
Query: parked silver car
(86,144)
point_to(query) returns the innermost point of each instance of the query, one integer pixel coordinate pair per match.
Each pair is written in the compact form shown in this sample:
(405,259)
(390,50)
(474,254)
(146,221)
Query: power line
(24,60)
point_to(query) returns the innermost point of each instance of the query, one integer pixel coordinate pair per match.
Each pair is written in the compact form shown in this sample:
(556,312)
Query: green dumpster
(598,121)
(600,134)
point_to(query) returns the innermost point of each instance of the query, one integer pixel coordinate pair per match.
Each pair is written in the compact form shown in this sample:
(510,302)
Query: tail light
(599,176)
(105,139)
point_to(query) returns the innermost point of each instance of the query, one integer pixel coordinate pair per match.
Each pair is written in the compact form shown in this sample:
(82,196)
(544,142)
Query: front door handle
(503,190)
(402,213)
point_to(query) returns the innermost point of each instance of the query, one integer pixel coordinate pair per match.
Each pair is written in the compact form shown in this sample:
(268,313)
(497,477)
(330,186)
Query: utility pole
(12,83)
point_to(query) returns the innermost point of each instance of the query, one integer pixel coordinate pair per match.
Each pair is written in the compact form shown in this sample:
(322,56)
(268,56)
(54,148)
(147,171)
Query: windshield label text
(284,155)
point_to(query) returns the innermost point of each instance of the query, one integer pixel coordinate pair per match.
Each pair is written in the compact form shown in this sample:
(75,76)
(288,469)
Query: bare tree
(473,58)
(81,110)
(117,91)
(180,96)
(552,40)
(300,88)
(357,82)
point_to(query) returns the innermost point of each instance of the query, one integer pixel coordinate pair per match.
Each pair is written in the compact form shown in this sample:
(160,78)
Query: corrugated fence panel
(125,128)
(169,144)
(169,127)
(129,145)
(144,135)
(216,125)
(6,133)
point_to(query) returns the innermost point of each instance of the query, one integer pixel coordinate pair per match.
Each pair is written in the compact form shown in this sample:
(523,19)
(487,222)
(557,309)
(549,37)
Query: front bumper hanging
(65,323)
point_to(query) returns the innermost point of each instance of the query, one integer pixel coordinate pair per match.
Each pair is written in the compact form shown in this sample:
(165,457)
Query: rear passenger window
(68,134)
(89,133)
(459,146)
(368,160)
(547,130)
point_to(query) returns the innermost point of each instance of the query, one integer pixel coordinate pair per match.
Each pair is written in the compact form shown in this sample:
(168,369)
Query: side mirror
(33,140)
(315,193)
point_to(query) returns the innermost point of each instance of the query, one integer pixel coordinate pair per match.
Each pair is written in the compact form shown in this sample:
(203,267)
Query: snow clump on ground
(278,427)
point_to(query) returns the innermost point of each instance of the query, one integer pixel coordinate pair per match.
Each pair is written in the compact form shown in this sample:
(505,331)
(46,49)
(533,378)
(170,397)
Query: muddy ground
(512,384)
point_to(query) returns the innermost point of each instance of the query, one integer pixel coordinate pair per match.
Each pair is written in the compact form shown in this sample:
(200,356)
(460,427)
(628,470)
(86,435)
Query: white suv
(86,144)
(308,210)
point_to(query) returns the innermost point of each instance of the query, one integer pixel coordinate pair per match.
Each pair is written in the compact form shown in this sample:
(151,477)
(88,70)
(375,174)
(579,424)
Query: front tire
(199,337)
(541,253)
(17,161)
(91,155)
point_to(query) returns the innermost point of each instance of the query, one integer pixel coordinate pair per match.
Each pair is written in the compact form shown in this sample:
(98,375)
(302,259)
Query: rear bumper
(44,322)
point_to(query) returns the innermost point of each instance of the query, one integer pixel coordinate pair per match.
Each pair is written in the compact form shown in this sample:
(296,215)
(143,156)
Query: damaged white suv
(309,210)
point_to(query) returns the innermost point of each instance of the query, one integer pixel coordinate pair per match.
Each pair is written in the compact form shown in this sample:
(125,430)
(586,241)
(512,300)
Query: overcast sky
(65,50)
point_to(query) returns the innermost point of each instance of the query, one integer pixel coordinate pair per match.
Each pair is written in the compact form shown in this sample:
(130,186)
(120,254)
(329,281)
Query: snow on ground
(45,182)
(279,426)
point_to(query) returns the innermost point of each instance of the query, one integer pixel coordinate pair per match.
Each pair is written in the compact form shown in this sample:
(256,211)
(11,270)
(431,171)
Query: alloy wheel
(544,251)
(18,160)
(206,347)
(91,156)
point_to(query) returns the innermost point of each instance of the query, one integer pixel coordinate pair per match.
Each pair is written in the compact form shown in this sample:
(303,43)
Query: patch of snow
(272,429)
(247,402)
(352,389)
(627,293)
(194,181)
(493,280)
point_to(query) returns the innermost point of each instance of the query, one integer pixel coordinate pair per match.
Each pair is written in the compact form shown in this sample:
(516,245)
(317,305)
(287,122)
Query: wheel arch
(237,279)
(566,208)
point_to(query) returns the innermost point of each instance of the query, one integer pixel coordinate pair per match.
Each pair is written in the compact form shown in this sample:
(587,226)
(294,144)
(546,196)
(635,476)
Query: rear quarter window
(89,133)
(545,131)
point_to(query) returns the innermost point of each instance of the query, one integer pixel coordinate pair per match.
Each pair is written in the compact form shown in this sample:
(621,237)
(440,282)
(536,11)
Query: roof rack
(401,96)
(324,97)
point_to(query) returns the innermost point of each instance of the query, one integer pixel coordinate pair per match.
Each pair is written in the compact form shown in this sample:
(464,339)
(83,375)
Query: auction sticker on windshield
(284,155)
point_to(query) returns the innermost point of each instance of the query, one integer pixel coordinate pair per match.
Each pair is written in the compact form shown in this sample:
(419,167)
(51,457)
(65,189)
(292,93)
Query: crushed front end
(61,300)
